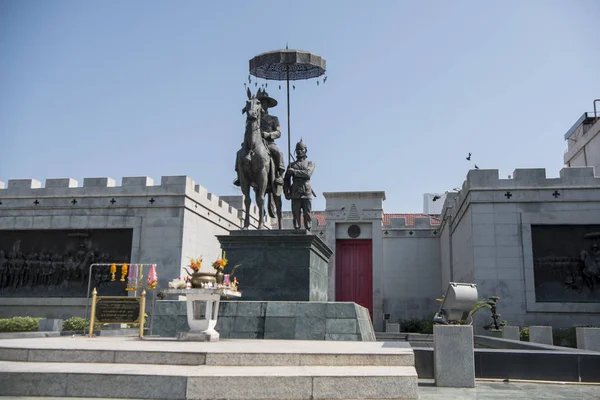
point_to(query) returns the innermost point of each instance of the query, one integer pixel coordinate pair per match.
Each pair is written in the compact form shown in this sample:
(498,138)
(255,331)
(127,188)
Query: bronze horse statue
(256,168)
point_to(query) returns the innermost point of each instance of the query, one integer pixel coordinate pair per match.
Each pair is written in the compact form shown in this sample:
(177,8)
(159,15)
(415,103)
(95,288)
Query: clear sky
(153,88)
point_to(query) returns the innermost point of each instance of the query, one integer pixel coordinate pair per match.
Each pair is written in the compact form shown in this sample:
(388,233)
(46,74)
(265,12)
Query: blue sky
(153,88)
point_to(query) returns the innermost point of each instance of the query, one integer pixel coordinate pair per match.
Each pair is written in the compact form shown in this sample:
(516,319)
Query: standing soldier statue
(297,186)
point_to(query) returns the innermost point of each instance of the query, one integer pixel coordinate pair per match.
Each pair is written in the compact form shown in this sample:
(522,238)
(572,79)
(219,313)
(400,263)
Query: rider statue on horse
(259,163)
(269,125)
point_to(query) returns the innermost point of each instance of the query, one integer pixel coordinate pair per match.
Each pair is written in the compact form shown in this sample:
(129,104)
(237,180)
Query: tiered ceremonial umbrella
(287,65)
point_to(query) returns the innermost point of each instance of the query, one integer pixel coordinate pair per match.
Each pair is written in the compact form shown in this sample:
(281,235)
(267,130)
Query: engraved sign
(117,310)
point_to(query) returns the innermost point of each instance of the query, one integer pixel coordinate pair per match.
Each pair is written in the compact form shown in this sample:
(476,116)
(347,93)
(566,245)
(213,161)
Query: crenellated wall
(487,238)
(171,222)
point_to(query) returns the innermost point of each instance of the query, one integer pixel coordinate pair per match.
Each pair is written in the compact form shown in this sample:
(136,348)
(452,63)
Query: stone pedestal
(202,307)
(588,338)
(392,328)
(511,332)
(52,325)
(454,357)
(541,334)
(496,333)
(278,265)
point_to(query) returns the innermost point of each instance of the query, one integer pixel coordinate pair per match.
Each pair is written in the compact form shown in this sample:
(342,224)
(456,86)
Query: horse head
(253,107)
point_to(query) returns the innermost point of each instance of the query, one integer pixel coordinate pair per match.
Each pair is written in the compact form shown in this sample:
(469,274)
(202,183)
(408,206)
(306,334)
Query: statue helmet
(300,145)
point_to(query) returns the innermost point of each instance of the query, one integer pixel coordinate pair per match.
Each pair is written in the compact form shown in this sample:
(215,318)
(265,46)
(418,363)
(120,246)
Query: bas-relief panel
(55,263)
(566,263)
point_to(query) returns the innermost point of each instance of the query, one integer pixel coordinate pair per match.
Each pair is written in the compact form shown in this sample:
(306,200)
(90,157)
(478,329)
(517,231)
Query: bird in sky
(469,157)
(436,197)
(476,167)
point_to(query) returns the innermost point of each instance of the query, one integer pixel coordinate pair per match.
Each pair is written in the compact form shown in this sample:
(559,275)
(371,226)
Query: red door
(354,272)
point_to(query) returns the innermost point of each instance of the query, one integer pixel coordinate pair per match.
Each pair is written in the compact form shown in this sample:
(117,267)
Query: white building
(583,141)
(433,203)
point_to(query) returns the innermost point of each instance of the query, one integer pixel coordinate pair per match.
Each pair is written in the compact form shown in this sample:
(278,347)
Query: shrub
(78,324)
(19,324)
(524,334)
(416,325)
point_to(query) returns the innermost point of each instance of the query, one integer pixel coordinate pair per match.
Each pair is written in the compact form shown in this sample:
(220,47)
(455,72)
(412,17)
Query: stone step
(207,381)
(225,353)
(212,358)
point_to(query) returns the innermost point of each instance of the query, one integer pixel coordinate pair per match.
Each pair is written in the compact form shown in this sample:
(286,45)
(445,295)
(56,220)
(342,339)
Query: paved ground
(496,390)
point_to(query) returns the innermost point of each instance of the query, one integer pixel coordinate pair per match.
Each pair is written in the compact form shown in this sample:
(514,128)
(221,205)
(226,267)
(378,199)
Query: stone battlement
(574,184)
(418,223)
(16,190)
(531,178)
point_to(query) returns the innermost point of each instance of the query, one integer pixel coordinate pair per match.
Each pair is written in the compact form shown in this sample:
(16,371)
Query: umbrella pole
(287,73)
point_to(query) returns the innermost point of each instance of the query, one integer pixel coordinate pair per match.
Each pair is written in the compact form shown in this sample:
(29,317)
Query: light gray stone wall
(497,238)
(462,248)
(411,267)
(170,221)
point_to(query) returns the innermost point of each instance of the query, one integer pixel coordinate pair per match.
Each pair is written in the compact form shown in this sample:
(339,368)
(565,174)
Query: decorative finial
(286,46)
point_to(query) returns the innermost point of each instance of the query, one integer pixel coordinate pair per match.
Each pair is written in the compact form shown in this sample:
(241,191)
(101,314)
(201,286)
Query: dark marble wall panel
(55,263)
(566,262)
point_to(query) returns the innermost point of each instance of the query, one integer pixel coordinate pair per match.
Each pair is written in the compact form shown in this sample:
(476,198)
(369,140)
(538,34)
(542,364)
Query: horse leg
(259,197)
(247,203)
(278,207)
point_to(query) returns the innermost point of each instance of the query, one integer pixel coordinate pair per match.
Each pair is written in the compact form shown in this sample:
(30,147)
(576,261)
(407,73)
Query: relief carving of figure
(19,263)
(3,270)
(34,269)
(591,267)
(11,269)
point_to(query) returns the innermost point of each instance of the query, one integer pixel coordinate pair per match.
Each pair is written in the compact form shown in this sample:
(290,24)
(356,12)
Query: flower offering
(220,263)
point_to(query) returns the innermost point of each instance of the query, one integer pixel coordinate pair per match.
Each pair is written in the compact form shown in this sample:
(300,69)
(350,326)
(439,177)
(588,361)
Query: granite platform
(309,320)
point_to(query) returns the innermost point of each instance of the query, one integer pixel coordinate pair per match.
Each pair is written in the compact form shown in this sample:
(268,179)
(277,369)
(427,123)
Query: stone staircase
(122,367)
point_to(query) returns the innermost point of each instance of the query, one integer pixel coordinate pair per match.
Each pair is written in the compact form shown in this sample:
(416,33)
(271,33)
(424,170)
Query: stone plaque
(354,231)
(56,263)
(566,263)
(117,310)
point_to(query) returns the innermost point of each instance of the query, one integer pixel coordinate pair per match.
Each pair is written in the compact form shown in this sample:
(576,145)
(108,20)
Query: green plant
(416,325)
(490,304)
(19,324)
(78,324)
(524,334)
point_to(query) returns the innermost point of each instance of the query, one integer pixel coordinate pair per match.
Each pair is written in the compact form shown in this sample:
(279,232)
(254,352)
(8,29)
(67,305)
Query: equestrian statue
(259,163)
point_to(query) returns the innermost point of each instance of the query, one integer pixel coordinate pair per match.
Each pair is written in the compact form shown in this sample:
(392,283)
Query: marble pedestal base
(279,265)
